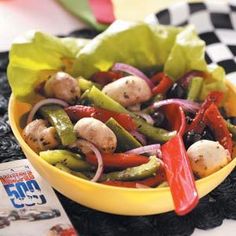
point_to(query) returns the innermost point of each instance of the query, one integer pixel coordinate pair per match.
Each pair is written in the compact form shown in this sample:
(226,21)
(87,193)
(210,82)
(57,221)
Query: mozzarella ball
(207,157)
(96,132)
(128,91)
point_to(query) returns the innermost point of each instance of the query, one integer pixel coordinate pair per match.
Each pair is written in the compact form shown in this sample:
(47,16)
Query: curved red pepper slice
(106,77)
(177,166)
(79,111)
(197,124)
(120,160)
(217,124)
(164,83)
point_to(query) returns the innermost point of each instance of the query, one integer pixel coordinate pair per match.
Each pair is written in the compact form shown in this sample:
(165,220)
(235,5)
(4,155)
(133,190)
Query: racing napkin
(29,206)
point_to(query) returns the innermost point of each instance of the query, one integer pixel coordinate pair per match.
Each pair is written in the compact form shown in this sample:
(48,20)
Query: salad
(114,109)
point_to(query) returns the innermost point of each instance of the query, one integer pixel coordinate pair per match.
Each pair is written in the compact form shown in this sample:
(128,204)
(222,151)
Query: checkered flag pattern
(215,23)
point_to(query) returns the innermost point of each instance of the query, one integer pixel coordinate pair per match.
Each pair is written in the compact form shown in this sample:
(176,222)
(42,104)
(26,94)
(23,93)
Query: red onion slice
(153,149)
(133,71)
(99,159)
(140,137)
(146,117)
(186,78)
(185,104)
(43,103)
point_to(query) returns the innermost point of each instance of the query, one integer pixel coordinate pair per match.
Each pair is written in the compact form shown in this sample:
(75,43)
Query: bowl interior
(110,199)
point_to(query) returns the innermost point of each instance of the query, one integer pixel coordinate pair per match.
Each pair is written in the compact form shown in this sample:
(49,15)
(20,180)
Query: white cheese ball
(62,86)
(207,157)
(96,132)
(128,91)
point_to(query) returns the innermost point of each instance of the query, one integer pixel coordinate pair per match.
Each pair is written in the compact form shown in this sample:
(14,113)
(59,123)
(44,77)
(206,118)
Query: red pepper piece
(120,160)
(150,182)
(79,111)
(164,83)
(106,77)
(197,124)
(217,124)
(175,124)
(178,170)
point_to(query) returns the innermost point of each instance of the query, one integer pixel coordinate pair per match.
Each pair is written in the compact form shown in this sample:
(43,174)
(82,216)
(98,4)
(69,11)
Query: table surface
(19,16)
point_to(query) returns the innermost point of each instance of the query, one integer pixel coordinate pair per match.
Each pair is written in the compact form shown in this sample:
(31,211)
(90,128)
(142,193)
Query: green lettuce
(32,61)
(187,53)
(176,49)
(143,45)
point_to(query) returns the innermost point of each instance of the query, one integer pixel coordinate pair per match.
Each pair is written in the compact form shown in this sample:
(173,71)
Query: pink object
(102,10)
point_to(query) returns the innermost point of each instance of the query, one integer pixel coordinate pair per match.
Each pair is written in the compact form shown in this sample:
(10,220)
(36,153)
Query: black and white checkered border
(215,23)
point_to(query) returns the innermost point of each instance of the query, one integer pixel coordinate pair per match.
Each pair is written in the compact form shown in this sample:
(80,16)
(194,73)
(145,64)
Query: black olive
(223,112)
(176,91)
(190,114)
(153,71)
(191,137)
(232,120)
(188,120)
(159,119)
(207,134)
(85,102)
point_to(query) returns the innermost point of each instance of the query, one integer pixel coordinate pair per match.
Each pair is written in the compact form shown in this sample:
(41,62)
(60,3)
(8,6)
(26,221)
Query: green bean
(125,140)
(69,159)
(85,84)
(195,88)
(61,121)
(135,173)
(149,109)
(68,170)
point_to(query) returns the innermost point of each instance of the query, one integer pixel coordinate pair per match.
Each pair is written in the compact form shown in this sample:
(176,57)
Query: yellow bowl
(125,201)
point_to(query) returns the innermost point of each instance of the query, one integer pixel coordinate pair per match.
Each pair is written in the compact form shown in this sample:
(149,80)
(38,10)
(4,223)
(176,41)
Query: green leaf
(34,60)
(138,44)
(188,53)
(143,46)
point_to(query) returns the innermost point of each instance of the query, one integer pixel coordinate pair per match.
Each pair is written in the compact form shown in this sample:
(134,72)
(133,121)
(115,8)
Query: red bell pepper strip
(218,126)
(175,124)
(178,170)
(79,111)
(106,77)
(120,160)
(164,83)
(150,182)
(197,124)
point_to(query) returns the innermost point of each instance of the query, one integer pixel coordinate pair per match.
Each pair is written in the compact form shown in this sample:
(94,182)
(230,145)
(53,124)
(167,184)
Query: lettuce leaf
(176,49)
(143,45)
(188,53)
(34,59)
(138,44)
